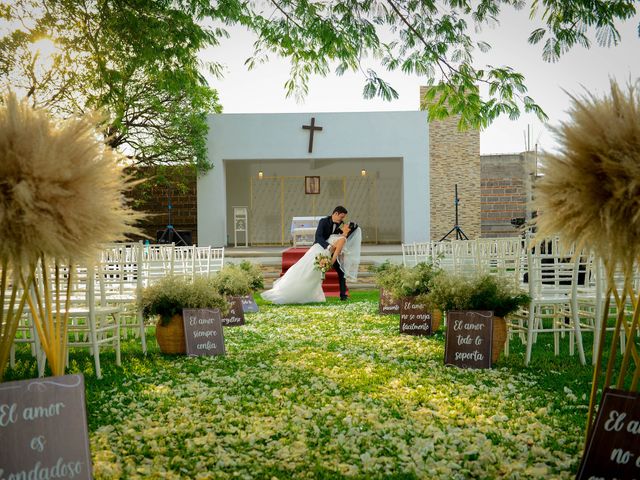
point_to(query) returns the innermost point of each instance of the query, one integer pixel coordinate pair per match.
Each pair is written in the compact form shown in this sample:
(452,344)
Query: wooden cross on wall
(311,129)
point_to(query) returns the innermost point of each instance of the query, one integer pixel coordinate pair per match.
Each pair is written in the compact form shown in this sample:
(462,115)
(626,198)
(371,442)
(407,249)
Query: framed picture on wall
(312,185)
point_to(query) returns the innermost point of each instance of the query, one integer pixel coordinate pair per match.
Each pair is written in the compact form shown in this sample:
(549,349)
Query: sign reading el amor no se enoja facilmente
(415,317)
(613,448)
(203,332)
(43,429)
(469,339)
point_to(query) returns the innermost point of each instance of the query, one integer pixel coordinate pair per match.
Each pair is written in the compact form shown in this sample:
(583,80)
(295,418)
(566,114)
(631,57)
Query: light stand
(170,232)
(460,235)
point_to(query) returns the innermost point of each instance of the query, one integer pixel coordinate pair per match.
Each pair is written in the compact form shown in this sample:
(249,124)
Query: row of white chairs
(567,288)
(497,255)
(104,295)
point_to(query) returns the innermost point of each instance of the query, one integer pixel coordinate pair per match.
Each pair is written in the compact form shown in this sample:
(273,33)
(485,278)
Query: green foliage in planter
(256,279)
(403,281)
(386,274)
(171,294)
(482,292)
(232,280)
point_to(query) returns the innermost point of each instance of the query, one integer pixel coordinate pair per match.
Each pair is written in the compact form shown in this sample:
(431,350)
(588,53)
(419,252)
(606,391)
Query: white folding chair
(157,262)
(424,252)
(183,261)
(465,257)
(92,323)
(202,261)
(121,282)
(409,254)
(443,255)
(551,277)
(216,261)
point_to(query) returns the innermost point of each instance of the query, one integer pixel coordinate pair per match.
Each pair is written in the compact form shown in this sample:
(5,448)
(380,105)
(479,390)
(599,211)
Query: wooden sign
(249,304)
(43,427)
(388,305)
(613,448)
(415,318)
(469,339)
(235,315)
(203,332)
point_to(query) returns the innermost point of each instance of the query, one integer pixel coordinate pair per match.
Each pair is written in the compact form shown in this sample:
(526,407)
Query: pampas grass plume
(60,186)
(590,191)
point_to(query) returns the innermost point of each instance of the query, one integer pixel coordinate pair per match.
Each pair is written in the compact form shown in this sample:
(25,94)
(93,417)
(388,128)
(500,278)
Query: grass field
(331,391)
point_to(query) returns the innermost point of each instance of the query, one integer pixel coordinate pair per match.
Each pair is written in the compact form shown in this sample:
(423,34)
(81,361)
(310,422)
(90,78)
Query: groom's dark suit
(323,232)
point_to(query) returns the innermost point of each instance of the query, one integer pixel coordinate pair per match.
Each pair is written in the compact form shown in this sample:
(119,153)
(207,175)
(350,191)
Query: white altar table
(303,230)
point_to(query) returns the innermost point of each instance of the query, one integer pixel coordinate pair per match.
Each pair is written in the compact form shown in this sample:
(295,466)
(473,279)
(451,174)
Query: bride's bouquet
(322,263)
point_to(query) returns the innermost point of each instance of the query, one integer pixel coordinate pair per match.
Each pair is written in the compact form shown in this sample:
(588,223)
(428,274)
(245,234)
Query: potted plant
(233,281)
(386,274)
(253,272)
(453,292)
(166,299)
(411,283)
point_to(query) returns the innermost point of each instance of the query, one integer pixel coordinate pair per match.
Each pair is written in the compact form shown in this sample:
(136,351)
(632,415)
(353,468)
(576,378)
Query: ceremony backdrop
(392,147)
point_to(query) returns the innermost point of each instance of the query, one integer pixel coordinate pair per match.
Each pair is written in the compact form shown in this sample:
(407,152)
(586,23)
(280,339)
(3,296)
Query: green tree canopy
(431,39)
(134,60)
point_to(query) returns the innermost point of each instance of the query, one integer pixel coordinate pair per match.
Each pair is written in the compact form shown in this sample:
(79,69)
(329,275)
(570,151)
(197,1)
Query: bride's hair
(353,226)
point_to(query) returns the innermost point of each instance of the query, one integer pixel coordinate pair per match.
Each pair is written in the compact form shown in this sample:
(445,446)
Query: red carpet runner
(330,286)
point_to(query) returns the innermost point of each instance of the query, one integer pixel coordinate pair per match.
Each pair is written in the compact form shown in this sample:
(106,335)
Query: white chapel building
(379,165)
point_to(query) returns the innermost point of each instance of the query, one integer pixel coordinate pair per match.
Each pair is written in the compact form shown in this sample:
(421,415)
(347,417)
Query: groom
(326,227)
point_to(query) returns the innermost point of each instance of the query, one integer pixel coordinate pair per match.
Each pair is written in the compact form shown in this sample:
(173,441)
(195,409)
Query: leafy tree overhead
(137,59)
(431,39)
(134,60)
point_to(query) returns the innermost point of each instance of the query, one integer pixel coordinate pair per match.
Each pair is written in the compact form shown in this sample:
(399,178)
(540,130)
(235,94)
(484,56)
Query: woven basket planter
(499,337)
(436,319)
(170,337)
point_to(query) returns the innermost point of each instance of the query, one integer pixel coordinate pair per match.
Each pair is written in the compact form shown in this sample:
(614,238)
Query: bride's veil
(351,259)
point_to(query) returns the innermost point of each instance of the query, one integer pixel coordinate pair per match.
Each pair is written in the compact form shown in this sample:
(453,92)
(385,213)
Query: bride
(302,282)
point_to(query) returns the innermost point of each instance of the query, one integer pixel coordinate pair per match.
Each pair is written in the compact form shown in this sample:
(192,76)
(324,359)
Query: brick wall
(184,211)
(505,189)
(455,159)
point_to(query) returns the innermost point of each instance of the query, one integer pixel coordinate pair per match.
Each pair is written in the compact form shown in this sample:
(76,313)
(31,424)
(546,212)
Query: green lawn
(331,391)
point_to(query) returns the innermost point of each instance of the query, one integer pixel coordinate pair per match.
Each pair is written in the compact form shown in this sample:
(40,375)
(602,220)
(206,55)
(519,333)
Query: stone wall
(455,159)
(506,190)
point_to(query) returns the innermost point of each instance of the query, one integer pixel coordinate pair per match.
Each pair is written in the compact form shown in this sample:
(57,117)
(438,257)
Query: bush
(171,294)
(232,281)
(482,292)
(403,281)
(256,279)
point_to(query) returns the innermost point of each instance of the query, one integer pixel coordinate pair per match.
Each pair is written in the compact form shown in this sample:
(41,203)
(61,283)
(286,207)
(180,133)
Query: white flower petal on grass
(352,398)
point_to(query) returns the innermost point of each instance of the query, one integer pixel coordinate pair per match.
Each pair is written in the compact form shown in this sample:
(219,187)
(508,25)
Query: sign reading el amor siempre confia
(43,429)
(469,339)
(613,448)
(203,332)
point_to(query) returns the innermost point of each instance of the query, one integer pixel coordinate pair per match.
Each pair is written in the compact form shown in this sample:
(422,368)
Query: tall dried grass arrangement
(590,195)
(61,197)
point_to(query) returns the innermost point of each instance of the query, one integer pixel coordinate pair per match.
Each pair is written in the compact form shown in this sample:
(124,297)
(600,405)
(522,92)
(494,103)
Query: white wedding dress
(302,283)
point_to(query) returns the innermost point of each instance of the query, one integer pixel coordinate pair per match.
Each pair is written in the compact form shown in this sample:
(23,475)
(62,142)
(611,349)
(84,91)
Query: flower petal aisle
(331,391)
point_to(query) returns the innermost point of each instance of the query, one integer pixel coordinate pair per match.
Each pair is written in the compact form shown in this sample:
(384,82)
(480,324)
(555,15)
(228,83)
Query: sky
(581,70)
